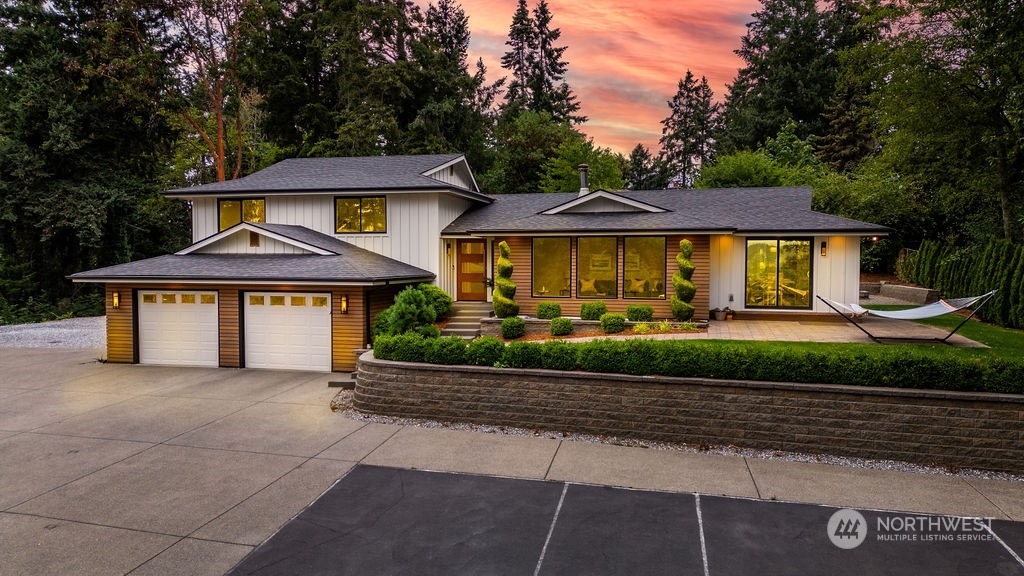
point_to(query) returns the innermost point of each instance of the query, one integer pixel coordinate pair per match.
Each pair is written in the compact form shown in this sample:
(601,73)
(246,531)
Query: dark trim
(240,216)
(533,268)
(135,326)
(387,225)
(778,255)
(665,275)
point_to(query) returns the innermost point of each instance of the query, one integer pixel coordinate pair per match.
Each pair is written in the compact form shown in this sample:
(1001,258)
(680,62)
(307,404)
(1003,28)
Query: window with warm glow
(597,269)
(643,267)
(233,211)
(360,215)
(552,266)
(778,273)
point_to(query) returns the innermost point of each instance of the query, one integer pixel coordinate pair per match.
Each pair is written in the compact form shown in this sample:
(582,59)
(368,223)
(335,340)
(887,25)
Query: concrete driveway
(112,469)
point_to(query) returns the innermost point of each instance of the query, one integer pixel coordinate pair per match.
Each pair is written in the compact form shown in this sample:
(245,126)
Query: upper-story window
(353,215)
(237,210)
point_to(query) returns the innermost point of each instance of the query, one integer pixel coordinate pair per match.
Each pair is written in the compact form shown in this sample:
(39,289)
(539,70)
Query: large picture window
(778,273)
(360,215)
(597,269)
(237,210)
(552,265)
(643,267)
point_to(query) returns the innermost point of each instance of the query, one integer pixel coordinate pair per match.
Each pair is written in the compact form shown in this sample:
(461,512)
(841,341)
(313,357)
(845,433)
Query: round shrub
(549,310)
(640,313)
(409,311)
(513,327)
(450,350)
(428,331)
(438,299)
(523,355)
(409,347)
(561,326)
(613,323)
(484,351)
(593,310)
(559,355)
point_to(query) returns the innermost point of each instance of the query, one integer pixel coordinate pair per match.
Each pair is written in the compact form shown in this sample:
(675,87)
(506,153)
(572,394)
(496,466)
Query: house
(289,265)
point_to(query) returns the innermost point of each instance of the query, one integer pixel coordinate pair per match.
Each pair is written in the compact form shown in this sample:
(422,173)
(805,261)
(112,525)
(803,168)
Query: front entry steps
(464,319)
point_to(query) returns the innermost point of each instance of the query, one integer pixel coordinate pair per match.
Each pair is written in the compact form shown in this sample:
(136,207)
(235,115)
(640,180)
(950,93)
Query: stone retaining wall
(968,430)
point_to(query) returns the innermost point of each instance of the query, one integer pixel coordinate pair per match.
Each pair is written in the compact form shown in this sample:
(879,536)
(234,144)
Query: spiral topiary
(682,310)
(504,287)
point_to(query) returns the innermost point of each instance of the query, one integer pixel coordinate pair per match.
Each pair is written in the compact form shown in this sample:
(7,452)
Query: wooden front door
(472,268)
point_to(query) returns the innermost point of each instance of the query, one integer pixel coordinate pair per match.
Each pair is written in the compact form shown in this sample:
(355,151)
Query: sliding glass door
(778,273)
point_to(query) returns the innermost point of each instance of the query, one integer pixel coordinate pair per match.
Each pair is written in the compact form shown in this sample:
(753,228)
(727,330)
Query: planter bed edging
(931,427)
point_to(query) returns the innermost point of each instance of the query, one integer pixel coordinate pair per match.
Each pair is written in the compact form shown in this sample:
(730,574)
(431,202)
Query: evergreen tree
(561,172)
(538,67)
(522,146)
(687,139)
(83,138)
(789,72)
(519,60)
(644,171)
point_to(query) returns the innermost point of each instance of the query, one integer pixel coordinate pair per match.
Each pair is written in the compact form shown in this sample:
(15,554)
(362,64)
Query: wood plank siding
(522,260)
(120,325)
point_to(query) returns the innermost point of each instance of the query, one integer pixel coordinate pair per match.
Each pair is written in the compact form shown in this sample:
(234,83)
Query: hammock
(852,311)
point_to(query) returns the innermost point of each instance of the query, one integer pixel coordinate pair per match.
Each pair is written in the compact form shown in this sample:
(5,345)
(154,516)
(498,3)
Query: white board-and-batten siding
(415,221)
(456,175)
(240,243)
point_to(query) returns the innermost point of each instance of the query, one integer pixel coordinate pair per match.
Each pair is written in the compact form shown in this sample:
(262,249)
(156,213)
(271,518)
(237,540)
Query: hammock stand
(853,311)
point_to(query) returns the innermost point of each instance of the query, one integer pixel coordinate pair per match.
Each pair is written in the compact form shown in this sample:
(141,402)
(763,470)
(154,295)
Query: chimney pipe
(584,183)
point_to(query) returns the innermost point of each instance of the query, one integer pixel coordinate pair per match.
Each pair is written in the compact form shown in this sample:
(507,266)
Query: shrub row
(900,367)
(957,271)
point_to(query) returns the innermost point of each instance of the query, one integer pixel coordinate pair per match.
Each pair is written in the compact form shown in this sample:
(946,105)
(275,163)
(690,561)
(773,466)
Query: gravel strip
(71,333)
(342,403)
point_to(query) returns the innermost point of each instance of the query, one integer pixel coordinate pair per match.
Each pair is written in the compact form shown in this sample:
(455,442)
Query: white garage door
(178,328)
(290,331)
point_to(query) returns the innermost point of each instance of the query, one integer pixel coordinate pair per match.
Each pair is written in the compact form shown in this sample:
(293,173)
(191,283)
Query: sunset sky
(626,57)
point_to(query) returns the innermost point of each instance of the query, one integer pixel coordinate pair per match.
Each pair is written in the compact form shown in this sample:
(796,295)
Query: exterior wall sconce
(448,248)
(824,248)
(115,300)
(344,304)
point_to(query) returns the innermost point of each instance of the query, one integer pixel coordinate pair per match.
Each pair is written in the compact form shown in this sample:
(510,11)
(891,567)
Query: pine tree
(644,171)
(519,59)
(789,72)
(688,132)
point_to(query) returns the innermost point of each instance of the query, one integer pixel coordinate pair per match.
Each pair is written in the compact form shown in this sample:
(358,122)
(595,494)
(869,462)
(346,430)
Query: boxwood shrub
(523,355)
(593,310)
(548,310)
(639,313)
(561,326)
(450,350)
(613,323)
(513,327)
(485,351)
(895,366)
(559,355)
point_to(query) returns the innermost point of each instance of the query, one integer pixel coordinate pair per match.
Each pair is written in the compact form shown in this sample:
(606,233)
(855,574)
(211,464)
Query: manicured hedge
(895,366)
(639,313)
(485,351)
(613,323)
(957,271)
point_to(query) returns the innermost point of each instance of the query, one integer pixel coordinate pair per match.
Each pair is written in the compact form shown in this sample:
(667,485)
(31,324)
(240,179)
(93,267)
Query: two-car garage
(280,330)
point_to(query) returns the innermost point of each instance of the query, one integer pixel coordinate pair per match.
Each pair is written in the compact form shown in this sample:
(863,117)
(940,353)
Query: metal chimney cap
(584,180)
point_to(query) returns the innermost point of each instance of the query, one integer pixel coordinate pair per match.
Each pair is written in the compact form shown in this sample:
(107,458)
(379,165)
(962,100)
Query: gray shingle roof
(337,174)
(306,236)
(353,265)
(739,210)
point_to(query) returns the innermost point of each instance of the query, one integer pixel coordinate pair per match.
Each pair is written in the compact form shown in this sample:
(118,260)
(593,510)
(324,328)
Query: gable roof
(602,201)
(298,236)
(333,262)
(346,174)
(776,210)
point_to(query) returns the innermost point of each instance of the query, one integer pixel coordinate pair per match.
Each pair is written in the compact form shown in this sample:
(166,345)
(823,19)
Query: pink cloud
(626,59)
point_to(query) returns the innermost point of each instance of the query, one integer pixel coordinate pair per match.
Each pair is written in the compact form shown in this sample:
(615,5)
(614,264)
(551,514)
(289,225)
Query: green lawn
(1002,342)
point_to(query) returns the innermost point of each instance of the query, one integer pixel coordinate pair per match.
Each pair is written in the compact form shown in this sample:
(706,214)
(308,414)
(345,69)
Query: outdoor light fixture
(824,248)
(448,248)
(344,304)
(116,298)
